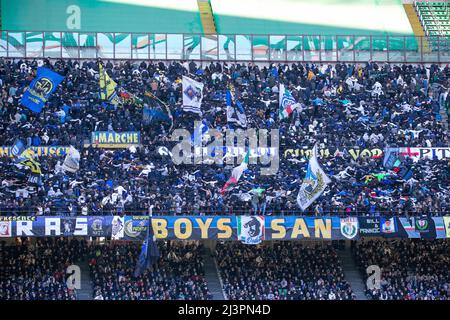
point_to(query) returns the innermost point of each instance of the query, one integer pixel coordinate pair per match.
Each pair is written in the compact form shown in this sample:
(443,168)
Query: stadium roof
(368,17)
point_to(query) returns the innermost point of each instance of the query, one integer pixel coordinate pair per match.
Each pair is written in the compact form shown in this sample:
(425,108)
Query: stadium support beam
(414,20)
(207,17)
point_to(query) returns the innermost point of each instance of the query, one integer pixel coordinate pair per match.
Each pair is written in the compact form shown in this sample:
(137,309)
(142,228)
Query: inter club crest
(349,227)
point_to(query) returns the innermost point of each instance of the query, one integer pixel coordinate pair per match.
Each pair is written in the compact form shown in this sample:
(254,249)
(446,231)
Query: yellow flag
(107,87)
(30,162)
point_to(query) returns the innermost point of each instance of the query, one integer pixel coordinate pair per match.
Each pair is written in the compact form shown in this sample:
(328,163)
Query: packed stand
(178,275)
(410,269)
(286,271)
(36,270)
(365,105)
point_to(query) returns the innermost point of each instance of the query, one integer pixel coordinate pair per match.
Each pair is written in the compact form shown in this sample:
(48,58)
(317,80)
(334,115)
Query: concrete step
(352,274)
(212,276)
(86,292)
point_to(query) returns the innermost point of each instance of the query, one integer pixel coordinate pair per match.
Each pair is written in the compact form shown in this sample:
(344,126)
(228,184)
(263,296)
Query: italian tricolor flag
(236,174)
(287,102)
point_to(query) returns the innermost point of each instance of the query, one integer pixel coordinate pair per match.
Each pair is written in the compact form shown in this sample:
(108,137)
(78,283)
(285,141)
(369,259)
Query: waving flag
(107,87)
(236,173)
(26,159)
(40,89)
(129,98)
(72,160)
(235,110)
(314,183)
(192,95)
(199,132)
(149,251)
(18,148)
(156,110)
(287,103)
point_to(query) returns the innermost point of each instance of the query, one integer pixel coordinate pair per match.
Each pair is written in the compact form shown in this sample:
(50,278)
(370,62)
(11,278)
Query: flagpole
(150,212)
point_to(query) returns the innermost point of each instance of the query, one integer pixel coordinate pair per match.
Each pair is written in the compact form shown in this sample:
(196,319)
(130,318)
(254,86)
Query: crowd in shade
(178,274)
(284,271)
(342,106)
(410,269)
(37,270)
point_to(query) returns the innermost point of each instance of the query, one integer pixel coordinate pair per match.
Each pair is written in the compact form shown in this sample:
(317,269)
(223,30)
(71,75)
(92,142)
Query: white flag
(314,183)
(192,95)
(72,161)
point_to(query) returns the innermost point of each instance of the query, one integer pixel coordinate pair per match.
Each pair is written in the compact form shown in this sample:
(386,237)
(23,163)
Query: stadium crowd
(369,105)
(284,271)
(410,269)
(178,275)
(37,270)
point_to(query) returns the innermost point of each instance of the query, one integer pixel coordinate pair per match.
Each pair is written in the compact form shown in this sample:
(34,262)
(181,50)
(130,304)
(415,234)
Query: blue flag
(18,148)
(199,132)
(235,110)
(151,115)
(155,110)
(40,89)
(149,252)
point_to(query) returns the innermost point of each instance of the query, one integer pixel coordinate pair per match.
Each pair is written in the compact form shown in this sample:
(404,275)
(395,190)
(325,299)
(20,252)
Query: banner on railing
(355,153)
(225,228)
(106,139)
(330,152)
(416,154)
(48,151)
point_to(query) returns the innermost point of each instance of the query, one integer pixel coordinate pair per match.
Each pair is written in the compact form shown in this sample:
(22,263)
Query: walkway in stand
(86,291)
(352,274)
(212,276)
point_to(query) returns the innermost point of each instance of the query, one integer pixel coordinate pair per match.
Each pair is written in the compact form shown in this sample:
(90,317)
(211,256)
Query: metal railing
(236,211)
(201,47)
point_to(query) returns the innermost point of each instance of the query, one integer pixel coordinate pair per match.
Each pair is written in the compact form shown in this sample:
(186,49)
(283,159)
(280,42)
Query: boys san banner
(247,229)
(40,89)
(110,139)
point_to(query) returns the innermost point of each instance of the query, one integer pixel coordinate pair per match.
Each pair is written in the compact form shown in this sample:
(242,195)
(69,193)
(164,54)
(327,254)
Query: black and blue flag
(235,110)
(155,110)
(149,252)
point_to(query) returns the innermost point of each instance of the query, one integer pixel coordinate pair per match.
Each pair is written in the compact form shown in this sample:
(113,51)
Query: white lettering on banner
(52,224)
(425,153)
(81,227)
(23,228)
